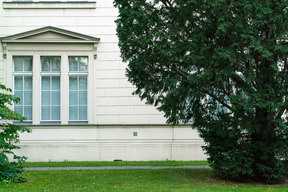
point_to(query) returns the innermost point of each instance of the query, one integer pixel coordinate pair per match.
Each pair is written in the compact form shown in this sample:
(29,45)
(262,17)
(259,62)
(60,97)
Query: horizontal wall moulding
(103,126)
(107,143)
(116,141)
(49,5)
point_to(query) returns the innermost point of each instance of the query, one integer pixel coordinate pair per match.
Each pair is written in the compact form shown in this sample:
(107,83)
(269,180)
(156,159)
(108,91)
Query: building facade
(62,59)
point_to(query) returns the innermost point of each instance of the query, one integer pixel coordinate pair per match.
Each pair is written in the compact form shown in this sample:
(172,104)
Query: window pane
(83,113)
(73,98)
(73,113)
(55,113)
(77,63)
(45,83)
(83,83)
(78,97)
(45,98)
(73,83)
(27,63)
(18,64)
(73,63)
(45,113)
(22,63)
(45,64)
(73,66)
(27,98)
(83,63)
(19,94)
(56,98)
(18,109)
(82,97)
(56,63)
(50,96)
(28,83)
(50,63)
(18,83)
(28,112)
(55,83)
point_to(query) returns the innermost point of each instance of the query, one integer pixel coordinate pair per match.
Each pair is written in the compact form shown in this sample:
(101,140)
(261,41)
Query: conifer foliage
(9,136)
(220,64)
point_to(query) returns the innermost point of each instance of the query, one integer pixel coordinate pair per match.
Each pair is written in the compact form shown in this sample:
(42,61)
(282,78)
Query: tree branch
(236,78)
(217,99)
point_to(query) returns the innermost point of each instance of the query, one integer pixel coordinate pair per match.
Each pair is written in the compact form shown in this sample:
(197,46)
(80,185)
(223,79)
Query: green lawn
(132,180)
(113,163)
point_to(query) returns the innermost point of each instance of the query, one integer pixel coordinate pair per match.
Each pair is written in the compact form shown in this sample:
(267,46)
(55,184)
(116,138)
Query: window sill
(78,122)
(24,123)
(50,122)
(49,5)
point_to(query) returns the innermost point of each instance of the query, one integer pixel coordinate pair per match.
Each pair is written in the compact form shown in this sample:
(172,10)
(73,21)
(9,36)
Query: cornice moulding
(49,5)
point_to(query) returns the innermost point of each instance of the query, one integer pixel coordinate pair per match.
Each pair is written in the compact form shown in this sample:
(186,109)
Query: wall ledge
(49,5)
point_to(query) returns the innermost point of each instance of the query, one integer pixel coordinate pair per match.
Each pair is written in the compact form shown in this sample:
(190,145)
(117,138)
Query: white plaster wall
(111,151)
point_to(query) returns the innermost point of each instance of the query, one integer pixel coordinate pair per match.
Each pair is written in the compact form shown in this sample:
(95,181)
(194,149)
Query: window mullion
(64,91)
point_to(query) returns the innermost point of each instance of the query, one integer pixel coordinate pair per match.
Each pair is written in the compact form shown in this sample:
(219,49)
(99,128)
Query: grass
(133,180)
(113,163)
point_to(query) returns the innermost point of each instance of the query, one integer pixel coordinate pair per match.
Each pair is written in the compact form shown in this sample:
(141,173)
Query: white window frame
(50,74)
(64,84)
(22,74)
(80,73)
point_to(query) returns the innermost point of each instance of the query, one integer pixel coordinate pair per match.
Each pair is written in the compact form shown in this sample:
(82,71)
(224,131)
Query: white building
(62,59)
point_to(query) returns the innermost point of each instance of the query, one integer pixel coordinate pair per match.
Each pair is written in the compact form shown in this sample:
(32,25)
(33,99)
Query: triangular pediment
(50,34)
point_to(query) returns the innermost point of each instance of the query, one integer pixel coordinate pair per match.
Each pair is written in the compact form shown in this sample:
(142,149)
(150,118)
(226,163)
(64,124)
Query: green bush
(9,136)
(237,155)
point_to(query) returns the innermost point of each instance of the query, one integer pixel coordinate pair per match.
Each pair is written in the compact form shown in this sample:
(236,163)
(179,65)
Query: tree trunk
(263,139)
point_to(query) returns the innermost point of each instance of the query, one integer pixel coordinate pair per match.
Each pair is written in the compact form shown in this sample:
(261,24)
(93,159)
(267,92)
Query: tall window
(78,72)
(50,88)
(23,85)
(56,88)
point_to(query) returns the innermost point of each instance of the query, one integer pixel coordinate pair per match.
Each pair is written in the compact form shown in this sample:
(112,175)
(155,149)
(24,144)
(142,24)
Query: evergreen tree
(221,64)
(9,135)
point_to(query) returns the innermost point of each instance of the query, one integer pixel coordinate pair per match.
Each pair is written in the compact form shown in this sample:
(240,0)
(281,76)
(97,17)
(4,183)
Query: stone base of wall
(109,143)
(111,152)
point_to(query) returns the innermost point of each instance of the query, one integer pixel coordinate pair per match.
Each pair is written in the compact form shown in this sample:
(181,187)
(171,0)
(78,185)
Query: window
(51,70)
(78,72)
(216,108)
(23,85)
(56,87)
(50,88)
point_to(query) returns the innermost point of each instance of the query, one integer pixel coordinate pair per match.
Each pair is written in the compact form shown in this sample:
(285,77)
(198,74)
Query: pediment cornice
(50,34)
